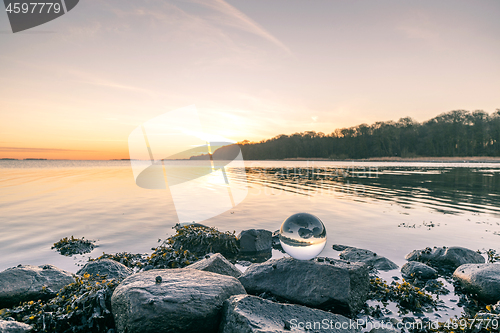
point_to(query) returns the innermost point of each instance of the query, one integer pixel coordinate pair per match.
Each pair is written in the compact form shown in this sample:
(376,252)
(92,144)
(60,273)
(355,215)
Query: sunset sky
(76,87)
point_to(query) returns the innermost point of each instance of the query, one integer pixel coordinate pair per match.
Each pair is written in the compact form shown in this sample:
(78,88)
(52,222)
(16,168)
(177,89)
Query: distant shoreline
(475,159)
(468,159)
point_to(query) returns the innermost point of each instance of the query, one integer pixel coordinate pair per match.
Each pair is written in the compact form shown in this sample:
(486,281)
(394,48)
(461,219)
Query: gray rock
(27,283)
(112,269)
(187,300)
(480,279)
(339,247)
(14,327)
(255,240)
(446,258)
(216,263)
(251,314)
(419,270)
(333,284)
(276,241)
(368,257)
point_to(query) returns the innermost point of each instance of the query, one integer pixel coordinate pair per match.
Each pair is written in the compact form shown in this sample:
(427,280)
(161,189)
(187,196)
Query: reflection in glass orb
(303,236)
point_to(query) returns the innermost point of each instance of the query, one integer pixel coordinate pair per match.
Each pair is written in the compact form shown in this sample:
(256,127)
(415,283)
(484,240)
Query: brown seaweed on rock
(69,246)
(200,240)
(80,307)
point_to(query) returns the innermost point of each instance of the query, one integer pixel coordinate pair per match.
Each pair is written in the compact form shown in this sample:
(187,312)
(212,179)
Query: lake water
(389,208)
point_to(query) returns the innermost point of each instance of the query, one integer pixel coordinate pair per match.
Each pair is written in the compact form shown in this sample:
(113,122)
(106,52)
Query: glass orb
(303,236)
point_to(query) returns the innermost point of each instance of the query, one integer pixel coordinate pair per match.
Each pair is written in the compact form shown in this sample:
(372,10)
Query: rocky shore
(190,284)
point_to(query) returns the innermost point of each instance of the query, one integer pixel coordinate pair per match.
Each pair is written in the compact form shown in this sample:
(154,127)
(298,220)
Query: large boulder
(421,271)
(368,257)
(27,283)
(7,326)
(251,314)
(172,300)
(110,268)
(216,263)
(255,240)
(331,284)
(482,279)
(445,258)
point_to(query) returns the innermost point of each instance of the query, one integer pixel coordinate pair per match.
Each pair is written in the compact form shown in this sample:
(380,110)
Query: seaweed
(180,250)
(131,260)
(167,257)
(82,306)
(163,256)
(201,240)
(493,256)
(406,296)
(71,246)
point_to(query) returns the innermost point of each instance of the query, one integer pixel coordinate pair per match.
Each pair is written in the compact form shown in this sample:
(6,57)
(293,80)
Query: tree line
(455,133)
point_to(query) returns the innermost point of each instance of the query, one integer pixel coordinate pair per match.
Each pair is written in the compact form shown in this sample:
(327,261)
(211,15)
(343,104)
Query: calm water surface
(390,208)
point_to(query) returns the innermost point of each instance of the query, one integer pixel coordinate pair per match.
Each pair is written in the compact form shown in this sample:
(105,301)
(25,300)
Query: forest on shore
(456,133)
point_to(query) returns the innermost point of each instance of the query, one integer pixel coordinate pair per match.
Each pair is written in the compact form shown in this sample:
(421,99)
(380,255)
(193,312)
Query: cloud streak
(241,21)
(98,81)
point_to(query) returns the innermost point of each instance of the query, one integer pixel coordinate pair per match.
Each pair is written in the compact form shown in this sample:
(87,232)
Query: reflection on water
(389,208)
(448,190)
